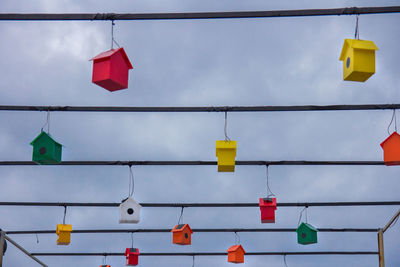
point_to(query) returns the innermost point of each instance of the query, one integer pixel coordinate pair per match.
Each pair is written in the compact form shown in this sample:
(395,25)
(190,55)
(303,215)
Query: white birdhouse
(129,211)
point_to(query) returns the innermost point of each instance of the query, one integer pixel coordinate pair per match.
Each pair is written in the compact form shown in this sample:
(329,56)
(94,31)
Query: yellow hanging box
(358,58)
(64,234)
(226,153)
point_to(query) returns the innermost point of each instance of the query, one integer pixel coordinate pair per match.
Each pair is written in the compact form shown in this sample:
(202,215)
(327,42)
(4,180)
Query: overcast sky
(265,61)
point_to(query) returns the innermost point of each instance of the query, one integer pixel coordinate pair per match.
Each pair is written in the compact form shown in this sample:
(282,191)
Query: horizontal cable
(202,205)
(201,15)
(211,253)
(197,163)
(215,230)
(201,109)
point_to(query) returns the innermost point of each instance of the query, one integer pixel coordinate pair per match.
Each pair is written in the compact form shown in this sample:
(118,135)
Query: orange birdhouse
(181,234)
(236,254)
(391,150)
(267,208)
(105,265)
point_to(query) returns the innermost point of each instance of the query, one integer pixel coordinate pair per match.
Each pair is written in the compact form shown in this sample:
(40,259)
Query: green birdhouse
(306,234)
(46,150)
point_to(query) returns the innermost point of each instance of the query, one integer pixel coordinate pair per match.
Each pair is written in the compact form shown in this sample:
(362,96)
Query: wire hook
(131,181)
(237,238)
(65,214)
(284,260)
(301,214)
(112,36)
(181,216)
(47,122)
(269,192)
(225,127)
(394,118)
(193,261)
(357,32)
(131,239)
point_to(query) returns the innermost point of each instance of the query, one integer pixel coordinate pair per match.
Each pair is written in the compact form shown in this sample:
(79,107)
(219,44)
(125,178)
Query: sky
(248,62)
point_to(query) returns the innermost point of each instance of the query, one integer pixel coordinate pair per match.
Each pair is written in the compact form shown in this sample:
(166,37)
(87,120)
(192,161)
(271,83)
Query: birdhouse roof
(181,228)
(267,202)
(394,135)
(131,251)
(359,44)
(131,202)
(112,52)
(45,136)
(304,225)
(236,248)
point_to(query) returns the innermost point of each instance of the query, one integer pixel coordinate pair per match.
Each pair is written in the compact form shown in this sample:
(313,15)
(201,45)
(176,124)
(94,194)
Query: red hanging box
(111,69)
(267,208)
(132,256)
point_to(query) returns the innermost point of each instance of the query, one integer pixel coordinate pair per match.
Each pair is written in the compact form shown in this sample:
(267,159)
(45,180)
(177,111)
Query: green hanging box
(46,150)
(306,234)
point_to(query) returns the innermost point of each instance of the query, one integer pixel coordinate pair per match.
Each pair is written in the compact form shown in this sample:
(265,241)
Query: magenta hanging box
(267,208)
(111,69)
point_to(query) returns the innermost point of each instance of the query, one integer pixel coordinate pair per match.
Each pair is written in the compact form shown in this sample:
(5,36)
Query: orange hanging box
(236,254)
(111,69)
(267,208)
(181,234)
(391,150)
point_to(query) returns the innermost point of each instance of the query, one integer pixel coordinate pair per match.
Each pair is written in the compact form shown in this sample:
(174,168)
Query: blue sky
(275,61)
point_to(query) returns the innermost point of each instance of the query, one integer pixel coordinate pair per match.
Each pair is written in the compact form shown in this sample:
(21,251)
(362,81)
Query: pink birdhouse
(267,208)
(132,256)
(391,149)
(111,69)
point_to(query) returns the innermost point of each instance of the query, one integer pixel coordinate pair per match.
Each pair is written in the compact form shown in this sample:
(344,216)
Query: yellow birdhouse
(226,153)
(64,234)
(358,58)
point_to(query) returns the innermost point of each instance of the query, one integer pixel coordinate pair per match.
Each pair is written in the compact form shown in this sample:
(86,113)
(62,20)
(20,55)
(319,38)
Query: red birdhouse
(391,150)
(132,256)
(236,254)
(267,207)
(111,69)
(181,234)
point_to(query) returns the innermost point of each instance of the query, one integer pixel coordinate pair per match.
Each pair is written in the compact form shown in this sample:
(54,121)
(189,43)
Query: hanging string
(357,33)
(132,240)
(391,121)
(301,214)
(284,260)
(237,238)
(104,259)
(193,261)
(131,181)
(65,214)
(181,216)
(47,122)
(269,192)
(112,36)
(37,239)
(225,127)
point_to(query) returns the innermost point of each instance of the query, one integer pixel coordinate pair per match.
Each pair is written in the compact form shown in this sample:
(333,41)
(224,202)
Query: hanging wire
(237,238)
(284,260)
(269,192)
(357,32)
(181,216)
(65,214)
(301,214)
(104,259)
(193,261)
(37,239)
(225,127)
(391,121)
(47,122)
(131,181)
(112,36)
(132,240)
